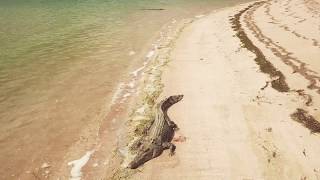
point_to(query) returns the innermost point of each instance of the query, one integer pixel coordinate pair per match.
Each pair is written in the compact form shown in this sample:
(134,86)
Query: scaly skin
(159,135)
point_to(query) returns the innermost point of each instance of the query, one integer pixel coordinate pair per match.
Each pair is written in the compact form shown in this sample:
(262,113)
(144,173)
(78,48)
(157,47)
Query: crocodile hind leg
(170,146)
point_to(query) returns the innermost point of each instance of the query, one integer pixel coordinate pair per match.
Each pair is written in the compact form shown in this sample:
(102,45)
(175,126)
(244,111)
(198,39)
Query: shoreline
(150,91)
(92,143)
(129,96)
(148,88)
(147,93)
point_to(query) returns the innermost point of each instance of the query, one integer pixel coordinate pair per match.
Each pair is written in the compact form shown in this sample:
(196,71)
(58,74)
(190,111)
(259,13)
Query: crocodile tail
(168,102)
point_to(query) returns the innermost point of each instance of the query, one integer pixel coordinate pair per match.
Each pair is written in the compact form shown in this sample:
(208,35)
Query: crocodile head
(168,102)
(177,98)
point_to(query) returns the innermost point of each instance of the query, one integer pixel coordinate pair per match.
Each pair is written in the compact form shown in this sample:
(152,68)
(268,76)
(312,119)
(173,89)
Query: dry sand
(249,75)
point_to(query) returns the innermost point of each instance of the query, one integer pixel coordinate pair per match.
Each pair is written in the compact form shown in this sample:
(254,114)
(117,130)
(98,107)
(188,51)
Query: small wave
(136,72)
(78,164)
(150,54)
(118,93)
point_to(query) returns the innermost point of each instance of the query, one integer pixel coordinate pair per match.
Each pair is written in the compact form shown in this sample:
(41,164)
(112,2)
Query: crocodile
(158,136)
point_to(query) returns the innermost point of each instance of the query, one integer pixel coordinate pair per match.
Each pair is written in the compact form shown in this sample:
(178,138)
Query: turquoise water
(50,47)
(42,39)
(60,61)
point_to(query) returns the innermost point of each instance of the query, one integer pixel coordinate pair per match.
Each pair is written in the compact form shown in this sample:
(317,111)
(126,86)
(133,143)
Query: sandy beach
(250,76)
(250,79)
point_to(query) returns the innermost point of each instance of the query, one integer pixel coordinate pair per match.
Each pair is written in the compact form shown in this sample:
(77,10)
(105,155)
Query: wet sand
(251,85)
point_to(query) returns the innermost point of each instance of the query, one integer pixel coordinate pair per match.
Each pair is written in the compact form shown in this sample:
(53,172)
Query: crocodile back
(160,130)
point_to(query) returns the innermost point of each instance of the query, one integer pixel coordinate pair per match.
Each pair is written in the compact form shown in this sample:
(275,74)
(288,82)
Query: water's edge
(150,88)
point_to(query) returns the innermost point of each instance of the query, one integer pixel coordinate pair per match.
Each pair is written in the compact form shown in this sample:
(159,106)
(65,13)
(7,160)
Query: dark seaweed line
(283,54)
(279,52)
(300,115)
(278,79)
(306,120)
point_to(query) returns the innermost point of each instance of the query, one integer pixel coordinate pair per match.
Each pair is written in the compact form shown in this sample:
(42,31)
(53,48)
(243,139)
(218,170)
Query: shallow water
(60,61)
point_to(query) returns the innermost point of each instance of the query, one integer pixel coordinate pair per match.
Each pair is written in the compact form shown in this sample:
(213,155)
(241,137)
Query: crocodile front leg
(170,146)
(172,125)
